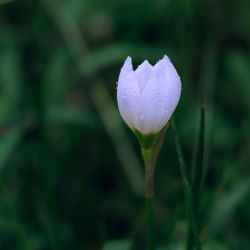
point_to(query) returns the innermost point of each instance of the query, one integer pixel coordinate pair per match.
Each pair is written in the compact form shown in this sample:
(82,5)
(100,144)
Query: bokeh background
(71,175)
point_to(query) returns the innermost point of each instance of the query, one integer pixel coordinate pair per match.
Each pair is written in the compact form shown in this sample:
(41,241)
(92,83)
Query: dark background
(71,175)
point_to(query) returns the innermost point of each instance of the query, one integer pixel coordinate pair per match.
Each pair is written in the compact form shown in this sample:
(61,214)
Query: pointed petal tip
(144,65)
(128,59)
(166,57)
(126,69)
(146,62)
(128,63)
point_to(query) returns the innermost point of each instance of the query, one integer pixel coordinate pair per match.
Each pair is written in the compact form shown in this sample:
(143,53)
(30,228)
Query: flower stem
(149,161)
(150,223)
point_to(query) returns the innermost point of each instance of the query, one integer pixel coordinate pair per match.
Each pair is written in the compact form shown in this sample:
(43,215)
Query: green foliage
(118,244)
(71,172)
(9,143)
(227,205)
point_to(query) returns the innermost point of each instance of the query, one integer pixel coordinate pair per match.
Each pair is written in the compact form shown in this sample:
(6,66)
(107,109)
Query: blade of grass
(182,164)
(198,177)
(197,184)
(186,181)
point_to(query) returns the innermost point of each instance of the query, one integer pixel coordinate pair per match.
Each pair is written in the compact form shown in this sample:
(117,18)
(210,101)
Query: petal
(171,91)
(150,108)
(159,98)
(167,71)
(161,65)
(127,97)
(143,73)
(126,68)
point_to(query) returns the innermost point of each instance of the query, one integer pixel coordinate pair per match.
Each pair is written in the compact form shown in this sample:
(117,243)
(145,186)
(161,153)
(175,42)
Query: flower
(148,96)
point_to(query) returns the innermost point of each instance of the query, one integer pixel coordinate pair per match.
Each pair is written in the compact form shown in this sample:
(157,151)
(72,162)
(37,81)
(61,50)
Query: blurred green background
(71,175)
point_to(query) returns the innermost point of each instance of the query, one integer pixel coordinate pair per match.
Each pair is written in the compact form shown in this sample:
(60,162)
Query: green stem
(150,223)
(149,161)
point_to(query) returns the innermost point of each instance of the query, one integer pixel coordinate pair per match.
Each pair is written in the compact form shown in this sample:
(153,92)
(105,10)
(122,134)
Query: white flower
(148,96)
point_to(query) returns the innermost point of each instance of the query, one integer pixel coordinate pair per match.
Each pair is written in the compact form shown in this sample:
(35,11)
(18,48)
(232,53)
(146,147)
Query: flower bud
(148,96)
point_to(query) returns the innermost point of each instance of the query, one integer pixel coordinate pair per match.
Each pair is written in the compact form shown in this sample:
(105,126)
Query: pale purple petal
(166,70)
(150,107)
(170,91)
(126,68)
(143,73)
(127,97)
